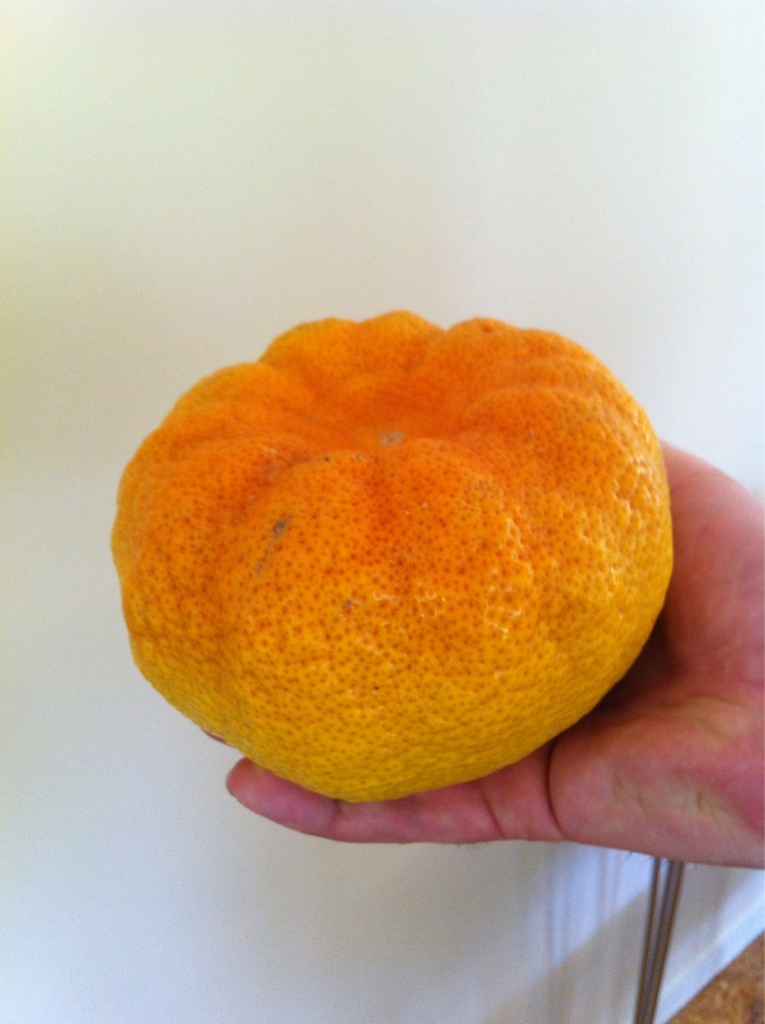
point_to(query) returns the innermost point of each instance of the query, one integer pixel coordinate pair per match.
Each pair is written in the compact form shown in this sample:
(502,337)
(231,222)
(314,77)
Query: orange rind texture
(386,557)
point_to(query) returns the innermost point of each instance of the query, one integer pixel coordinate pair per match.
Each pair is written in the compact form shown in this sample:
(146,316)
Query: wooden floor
(735,996)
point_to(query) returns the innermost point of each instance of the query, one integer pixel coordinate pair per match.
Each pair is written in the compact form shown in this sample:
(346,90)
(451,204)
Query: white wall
(184,182)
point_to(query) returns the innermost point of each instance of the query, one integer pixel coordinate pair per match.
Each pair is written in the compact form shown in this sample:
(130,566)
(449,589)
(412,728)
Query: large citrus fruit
(387,557)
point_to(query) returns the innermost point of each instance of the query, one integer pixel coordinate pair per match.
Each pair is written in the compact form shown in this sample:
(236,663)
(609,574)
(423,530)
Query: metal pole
(666,879)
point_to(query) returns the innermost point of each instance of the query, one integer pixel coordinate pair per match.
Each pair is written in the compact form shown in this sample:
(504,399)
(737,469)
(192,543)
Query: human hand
(669,763)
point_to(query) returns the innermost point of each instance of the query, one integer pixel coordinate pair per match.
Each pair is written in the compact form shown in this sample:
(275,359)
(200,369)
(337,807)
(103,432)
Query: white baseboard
(701,968)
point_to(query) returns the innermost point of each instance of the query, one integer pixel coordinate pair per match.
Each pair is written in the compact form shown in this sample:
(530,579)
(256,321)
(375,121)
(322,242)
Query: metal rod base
(666,879)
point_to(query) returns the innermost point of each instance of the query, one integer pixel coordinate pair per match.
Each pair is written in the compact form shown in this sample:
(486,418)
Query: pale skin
(670,763)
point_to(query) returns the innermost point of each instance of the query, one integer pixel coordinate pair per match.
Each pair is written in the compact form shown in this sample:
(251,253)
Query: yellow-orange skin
(386,557)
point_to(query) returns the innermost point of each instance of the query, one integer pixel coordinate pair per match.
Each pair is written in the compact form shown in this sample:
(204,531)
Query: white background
(182,183)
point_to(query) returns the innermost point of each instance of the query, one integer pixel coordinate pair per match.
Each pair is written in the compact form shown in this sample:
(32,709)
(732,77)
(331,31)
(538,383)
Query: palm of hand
(668,764)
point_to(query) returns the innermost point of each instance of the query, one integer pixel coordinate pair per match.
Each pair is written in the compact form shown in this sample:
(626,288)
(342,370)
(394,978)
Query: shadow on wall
(591,985)
(455,926)
(430,917)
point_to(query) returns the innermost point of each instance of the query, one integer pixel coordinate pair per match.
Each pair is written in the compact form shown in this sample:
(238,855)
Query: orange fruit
(386,557)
